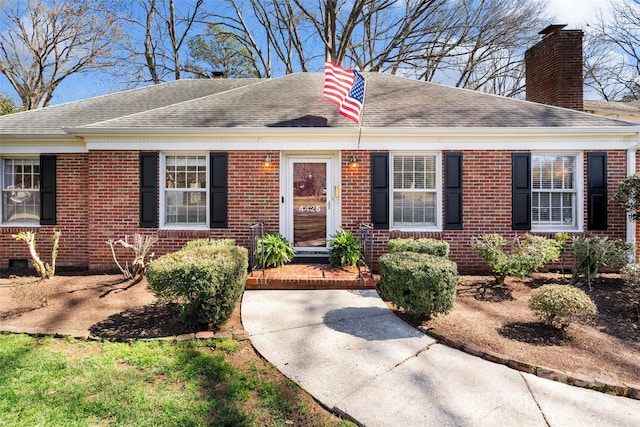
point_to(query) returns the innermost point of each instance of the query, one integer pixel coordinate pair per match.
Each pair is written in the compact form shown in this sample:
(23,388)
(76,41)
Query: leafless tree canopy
(42,45)
(476,44)
(157,33)
(612,52)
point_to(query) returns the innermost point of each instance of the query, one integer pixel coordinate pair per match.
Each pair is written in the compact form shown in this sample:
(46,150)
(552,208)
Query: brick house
(208,158)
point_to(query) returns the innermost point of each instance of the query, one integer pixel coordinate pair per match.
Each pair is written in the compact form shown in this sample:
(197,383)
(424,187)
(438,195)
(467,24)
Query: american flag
(345,88)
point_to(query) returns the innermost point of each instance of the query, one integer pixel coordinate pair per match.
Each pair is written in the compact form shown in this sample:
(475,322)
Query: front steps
(311,276)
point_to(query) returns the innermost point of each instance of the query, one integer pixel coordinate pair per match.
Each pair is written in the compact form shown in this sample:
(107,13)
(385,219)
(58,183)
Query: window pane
(568,217)
(553,208)
(553,197)
(414,208)
(412,175)
(414,172)
(185,193)
(20,190)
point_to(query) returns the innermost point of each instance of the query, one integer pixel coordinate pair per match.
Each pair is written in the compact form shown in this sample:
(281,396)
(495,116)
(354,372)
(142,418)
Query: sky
(575,13)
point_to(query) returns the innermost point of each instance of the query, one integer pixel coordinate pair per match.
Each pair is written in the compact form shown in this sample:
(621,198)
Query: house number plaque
(310,208)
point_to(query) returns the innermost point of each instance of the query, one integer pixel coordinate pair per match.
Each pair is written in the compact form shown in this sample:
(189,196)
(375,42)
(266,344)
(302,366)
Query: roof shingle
(295,100)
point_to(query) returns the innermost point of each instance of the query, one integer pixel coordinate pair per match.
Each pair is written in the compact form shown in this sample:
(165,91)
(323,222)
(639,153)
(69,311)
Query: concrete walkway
(349,351)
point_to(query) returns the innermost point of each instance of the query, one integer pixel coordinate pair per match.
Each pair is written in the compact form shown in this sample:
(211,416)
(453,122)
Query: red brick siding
(72,218)
(253,196)
(356,191)
(114,183)
(487,206)
(98,198)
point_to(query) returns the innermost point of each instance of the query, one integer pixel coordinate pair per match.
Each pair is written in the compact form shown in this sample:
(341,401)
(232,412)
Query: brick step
(311,276)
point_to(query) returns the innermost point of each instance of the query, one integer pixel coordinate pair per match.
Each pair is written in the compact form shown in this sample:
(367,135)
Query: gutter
(83,132)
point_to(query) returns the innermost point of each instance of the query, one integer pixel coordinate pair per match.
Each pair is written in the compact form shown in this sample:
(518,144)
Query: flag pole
(364,96)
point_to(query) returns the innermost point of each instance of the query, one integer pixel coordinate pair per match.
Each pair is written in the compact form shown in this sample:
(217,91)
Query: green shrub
(274,251)
(628,194)
(590,254)
(631,275)
(524,257)
(208,242)
(558,305)
(424,246)
(420,284)
(344,249)
(206,281)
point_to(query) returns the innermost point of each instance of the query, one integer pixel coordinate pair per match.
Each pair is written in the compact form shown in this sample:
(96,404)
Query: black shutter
(596,191)
(521,191)
(219,190)
(47,190)
(453,191)
(149,190)
(380,190)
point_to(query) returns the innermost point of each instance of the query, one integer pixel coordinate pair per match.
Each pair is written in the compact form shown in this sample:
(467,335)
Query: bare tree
(612,52)
(157,36)
(44,42)
(268,29)
(477,44)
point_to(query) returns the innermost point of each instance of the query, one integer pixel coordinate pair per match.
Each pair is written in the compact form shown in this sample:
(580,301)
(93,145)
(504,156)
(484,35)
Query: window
(554,195)
(185,183)
(415,180)
(21,190)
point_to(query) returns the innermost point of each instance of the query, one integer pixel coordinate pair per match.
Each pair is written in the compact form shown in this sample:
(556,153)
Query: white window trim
(438,187)
(23,224)
(162,187)
(579,183)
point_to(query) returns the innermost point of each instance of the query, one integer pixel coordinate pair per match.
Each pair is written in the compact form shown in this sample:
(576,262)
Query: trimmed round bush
(208,242)
(420,284)
(206,281)
(424,246)
(559,305)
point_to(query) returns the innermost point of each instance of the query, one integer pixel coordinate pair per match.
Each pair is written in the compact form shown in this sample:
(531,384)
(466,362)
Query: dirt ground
(498,319)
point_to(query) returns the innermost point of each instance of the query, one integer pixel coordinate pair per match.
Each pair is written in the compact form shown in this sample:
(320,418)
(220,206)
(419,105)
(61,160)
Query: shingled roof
(294,100)
(51,121)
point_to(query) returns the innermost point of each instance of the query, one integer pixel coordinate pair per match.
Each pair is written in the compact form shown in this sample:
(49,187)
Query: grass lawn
(67,382)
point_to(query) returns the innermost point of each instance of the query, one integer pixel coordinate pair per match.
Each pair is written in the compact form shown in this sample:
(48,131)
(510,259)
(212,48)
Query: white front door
(311,201)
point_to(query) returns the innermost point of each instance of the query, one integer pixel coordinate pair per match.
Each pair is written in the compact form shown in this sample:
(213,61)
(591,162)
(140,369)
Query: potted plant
(274,250)
(344,249)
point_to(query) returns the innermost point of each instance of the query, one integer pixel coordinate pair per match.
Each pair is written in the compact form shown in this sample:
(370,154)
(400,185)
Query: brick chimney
(553,68)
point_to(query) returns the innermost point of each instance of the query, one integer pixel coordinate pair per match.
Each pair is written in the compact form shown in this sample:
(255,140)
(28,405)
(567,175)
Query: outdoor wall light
(267,161)
(353,162)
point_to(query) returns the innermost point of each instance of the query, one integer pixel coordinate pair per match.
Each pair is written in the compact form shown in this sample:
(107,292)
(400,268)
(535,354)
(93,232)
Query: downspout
(631,170)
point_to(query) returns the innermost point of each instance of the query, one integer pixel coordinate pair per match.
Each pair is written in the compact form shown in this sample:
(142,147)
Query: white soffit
(366,139)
